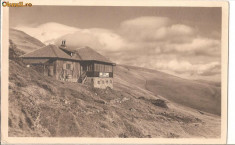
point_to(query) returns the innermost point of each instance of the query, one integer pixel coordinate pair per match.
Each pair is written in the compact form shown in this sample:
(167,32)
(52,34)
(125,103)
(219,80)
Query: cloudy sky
(180,41)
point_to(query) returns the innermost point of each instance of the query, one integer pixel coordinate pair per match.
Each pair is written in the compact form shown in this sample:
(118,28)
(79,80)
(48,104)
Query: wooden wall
(40,68)
(102,67)
(62,71)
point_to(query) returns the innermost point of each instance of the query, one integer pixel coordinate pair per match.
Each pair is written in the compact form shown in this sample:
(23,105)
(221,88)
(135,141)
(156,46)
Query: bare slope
(42,106)
(23,41)
(194,94)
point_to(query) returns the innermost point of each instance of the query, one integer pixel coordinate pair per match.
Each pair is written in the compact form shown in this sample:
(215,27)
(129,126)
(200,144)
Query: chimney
(63,43)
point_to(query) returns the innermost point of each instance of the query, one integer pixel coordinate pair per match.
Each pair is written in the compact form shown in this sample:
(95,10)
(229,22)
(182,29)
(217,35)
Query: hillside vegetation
(194,94)
(24,42)
(42,106)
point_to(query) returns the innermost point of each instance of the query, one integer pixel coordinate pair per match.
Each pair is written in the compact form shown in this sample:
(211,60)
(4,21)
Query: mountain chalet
(83,65)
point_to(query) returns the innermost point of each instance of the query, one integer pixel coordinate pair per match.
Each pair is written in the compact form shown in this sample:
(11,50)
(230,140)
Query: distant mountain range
(48,33)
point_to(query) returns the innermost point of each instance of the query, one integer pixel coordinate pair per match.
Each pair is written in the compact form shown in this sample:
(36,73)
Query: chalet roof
(66,49)
(35,61)
(49,51)
(87,53)
(52,51)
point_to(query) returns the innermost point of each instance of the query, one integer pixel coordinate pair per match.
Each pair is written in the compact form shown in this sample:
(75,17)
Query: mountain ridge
(24,42)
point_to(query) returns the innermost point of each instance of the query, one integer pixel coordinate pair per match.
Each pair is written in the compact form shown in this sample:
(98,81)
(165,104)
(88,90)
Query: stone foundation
(101,83)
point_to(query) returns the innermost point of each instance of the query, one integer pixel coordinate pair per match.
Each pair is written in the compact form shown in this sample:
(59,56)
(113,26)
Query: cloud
(151,42)
(145,22)
(182,68)
(48,32)
(212,68)
(173,64)
(100,39)
(187,67)
(154,29)
(54,33)
(197,46)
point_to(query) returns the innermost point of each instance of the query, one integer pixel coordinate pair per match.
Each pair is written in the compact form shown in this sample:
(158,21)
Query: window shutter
(71,66)
(64,66)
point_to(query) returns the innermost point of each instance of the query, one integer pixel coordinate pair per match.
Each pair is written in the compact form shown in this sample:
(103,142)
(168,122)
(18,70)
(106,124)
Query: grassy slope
(23,41)
(198,95)
(42,106)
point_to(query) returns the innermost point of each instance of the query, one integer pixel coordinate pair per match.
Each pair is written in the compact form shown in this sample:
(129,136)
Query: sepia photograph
(91,71)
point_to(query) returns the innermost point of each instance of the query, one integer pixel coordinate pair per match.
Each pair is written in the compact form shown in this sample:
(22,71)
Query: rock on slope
(42,106)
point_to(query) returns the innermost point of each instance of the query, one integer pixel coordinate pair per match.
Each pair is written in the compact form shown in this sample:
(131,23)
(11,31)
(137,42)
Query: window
(110,81)
(107,81)
(68,66)
(98,82)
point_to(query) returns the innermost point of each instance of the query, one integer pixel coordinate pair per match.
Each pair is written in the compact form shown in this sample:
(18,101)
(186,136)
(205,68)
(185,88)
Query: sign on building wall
(104,75)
